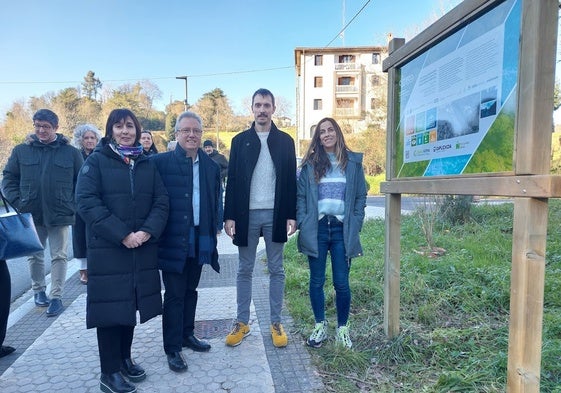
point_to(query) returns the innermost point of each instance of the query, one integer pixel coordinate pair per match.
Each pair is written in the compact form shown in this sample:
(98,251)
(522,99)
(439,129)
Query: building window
(318,104)
(318,81)
(347,59)
(345,103)
(312,129)
(375,80)
(345,81)
(376,58)
(318,60)
(346,107)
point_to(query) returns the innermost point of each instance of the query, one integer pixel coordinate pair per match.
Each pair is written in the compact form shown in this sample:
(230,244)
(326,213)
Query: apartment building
(345,83)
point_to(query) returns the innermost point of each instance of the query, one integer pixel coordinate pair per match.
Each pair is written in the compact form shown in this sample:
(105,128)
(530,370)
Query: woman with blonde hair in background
(86,137)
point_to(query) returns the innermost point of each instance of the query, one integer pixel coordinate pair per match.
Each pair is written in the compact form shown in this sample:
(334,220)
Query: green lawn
(454,309)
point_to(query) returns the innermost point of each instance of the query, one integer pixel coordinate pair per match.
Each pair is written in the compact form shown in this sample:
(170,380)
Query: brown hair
(317,156)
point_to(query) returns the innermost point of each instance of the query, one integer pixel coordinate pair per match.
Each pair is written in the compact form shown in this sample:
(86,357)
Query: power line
(347,25)
(190,76)
(150,78)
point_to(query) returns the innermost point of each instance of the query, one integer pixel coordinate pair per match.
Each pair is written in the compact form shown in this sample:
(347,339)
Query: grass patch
(454,309)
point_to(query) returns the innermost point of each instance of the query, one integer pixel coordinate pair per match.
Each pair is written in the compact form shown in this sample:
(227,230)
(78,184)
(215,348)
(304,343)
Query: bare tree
(283,107)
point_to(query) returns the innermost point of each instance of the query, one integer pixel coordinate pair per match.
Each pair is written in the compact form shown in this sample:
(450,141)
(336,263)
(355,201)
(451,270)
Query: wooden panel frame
(530,184)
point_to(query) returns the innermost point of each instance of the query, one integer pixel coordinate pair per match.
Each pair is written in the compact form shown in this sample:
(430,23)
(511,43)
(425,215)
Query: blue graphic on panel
(511,48)
(447,166)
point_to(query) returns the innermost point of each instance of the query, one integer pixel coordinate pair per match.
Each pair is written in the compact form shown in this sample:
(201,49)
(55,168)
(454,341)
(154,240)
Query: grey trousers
(58,238)
(260,221)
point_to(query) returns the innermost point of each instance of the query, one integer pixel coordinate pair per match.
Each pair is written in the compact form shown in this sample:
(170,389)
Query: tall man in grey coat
(260,200)
(40,178)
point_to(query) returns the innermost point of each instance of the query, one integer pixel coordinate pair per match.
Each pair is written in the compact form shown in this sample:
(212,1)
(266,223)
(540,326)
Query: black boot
(176,362)
(6,350)
(132,371)
(115,383)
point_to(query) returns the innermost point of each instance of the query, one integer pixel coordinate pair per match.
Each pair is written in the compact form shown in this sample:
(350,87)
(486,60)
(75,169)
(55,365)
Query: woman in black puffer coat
(124,203)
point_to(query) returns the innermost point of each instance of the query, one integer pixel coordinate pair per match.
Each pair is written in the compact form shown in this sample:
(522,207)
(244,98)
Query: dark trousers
(114,345)
(5,294)
(180,303)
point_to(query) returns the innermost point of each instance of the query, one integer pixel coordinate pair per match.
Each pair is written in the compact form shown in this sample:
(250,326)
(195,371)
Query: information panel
(457,100)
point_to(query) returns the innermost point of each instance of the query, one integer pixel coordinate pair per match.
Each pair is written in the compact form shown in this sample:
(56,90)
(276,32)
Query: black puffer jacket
(40,179)
(115,200)
(177,174)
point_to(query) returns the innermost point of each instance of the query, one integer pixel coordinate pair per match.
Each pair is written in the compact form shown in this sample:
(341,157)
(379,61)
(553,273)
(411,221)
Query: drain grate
(215,328)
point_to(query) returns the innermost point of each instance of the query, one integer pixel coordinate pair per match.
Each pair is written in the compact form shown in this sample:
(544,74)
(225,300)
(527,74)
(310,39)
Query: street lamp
(186,95)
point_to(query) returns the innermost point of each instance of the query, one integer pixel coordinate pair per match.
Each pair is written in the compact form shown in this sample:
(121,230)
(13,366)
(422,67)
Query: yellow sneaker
(239,331)
(279,336)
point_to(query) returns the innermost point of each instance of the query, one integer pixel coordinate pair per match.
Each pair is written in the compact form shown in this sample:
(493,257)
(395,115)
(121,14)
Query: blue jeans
(330,238)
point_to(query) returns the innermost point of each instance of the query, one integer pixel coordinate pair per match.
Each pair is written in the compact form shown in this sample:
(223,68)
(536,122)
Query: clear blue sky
(50,45)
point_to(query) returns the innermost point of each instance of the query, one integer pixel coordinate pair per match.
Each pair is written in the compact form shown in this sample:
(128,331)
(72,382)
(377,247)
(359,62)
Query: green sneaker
(342,336)
(318,335)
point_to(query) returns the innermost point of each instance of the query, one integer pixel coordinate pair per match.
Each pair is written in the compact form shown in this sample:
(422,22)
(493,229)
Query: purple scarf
(128,153)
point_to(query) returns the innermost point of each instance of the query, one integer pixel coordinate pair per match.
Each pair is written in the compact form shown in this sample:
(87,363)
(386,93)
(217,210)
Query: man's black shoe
(115,383)
(195,344)
(6,350)
(41,299)
(176,362)
(55,308)
(132,371)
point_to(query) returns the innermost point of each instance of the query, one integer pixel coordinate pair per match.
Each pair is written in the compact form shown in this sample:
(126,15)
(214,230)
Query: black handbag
(18,236)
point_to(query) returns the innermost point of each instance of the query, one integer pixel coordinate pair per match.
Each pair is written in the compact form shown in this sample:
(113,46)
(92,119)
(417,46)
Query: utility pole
(186,102)
(342,35)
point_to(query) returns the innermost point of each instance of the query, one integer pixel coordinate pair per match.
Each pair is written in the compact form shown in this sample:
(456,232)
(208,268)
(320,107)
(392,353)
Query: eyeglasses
(46,127)
(187,131)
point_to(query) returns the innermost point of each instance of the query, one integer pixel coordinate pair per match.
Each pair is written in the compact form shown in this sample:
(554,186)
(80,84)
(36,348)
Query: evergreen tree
(91,85)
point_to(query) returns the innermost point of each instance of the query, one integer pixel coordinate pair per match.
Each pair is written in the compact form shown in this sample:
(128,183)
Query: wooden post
(533,138)
(392,214)
(526,295)
(392,265)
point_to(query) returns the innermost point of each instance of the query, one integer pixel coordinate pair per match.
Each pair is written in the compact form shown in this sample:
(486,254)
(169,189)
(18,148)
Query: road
(19,270)
(407,203)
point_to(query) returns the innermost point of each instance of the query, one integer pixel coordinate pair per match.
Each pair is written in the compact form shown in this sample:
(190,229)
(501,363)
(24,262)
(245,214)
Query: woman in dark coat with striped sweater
(124,203)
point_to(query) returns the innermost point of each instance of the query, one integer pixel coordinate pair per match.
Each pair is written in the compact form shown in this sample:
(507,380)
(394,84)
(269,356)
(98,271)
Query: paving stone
(60,354)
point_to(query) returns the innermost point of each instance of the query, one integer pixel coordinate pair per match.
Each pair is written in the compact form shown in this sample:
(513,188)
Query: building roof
(300,51)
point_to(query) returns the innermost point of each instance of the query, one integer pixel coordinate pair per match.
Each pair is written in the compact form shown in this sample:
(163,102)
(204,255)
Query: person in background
(189,240)
(220,159)
(5,296)
(86,138)
(171,145)
(40,178)
(260,200)
(147,143)
(222,162)
(331,200)
(124,203)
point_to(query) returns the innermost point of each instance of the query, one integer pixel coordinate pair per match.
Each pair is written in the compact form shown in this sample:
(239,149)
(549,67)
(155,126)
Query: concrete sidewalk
(60,354)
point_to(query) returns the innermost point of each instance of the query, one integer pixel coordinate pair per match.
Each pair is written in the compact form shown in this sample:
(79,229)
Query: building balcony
(346,112)
(347,66)
(346,89)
